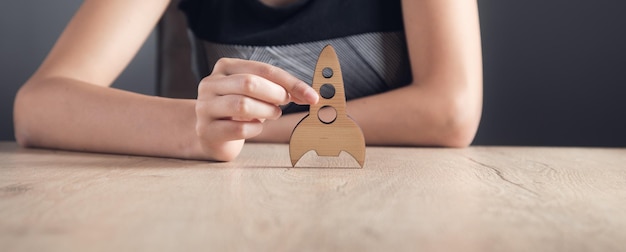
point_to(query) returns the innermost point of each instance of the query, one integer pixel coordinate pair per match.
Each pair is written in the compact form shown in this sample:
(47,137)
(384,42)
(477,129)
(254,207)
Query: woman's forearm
(68,114)
(405,116)
(415,117)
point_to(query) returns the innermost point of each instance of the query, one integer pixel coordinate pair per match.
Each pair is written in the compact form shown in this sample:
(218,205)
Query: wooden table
(405,199)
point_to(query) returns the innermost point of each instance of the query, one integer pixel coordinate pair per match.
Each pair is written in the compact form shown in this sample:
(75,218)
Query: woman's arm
(442,107)
(68,104)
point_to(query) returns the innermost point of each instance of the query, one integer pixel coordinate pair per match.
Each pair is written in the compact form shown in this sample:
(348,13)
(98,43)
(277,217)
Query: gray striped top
(371,63)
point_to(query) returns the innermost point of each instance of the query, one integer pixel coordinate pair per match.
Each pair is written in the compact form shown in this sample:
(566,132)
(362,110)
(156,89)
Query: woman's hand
(235,100)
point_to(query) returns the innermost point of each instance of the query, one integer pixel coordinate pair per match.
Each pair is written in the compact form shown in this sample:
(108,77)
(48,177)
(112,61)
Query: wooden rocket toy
(327,136)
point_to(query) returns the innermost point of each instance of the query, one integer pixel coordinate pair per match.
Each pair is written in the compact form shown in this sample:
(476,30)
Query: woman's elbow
(459,121)
(458,136)
(21,115)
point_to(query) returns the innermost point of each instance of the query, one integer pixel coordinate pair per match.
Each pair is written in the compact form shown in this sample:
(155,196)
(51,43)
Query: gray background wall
(554,69)
(555,72)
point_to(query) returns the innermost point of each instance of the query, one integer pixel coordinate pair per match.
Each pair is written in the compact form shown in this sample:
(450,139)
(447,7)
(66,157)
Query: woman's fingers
(247,85)
(220,131)
(298,91)
(239,107)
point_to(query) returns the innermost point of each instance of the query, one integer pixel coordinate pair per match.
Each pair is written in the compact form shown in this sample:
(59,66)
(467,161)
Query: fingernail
(279,113)
(311,96)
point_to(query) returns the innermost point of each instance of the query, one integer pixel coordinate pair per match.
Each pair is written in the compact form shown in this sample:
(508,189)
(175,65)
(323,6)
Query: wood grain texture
(331,137)
(405,199)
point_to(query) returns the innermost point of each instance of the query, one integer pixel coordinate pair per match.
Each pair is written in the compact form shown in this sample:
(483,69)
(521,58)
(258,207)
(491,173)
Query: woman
(68,104)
